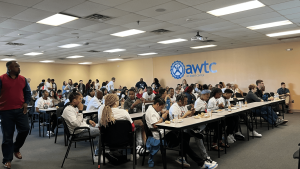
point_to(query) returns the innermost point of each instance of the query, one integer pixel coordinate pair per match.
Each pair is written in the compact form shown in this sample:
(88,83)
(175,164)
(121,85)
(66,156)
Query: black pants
(214,126)
(9,120)
(53,120)
(246,121)
(174,139)
(232,124)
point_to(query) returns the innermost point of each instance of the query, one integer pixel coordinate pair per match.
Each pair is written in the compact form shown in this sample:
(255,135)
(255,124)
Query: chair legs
(144,155)
(67,153)
(56,131)
(91,150)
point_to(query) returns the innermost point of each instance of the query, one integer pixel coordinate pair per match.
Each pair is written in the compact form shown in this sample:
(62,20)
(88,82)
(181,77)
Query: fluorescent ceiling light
(33,53)
(205,46)
(172,41)
(57,19)
(284,33)
(269,25)
(114,50)
(116,59)
(236,8)
(145,54)
(47,61)
(85,63)
(128,33)
(73,57)
(70,45)
(8,59)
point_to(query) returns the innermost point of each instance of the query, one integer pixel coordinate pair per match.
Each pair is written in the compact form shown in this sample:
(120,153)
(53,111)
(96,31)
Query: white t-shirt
(173,99)
(94,104)
(97,86)
(177,110)
(200,105)
(222,100)
(119,114)
(110,86)
(47,86)
(152,117)
(53,85)
(213,103)
(39,103)
(87,100)
(148,97)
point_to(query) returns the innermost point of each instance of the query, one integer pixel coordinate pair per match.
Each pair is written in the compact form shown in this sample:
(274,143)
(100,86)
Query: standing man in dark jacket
(15,95)
(81,87)
(54,86)
(88,86)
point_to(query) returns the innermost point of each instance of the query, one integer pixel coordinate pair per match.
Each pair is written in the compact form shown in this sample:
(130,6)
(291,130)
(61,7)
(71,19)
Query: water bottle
(168,104)
(143,108)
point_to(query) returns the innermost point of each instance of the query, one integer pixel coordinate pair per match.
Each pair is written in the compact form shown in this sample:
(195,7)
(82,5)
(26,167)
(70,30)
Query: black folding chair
(73,138)
(118,135)
(58,114)
(297,155)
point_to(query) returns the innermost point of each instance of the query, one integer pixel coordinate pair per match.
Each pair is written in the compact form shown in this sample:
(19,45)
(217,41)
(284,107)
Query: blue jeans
(267,113)
(10,119)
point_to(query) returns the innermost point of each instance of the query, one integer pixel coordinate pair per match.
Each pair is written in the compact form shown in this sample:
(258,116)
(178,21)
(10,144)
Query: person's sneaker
(52,134)
(232,137)
(7,165)
(229,140)
(209,165)
(254,133)
(283,121)
(239,136)
(185,164)
(208,159)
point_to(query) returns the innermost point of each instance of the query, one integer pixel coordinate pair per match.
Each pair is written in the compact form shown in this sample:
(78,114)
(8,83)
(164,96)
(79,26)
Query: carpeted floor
(274,150)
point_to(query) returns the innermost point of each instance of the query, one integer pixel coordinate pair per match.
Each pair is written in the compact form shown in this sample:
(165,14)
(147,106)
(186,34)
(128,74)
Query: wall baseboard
(295,110)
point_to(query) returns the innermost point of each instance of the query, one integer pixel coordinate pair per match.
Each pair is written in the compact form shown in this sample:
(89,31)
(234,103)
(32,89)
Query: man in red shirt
(15,94)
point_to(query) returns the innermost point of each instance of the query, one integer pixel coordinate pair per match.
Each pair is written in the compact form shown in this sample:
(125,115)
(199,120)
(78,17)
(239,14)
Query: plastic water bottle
(143,108)
(168,104)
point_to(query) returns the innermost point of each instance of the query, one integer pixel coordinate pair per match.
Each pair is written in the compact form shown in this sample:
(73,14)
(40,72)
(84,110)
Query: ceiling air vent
(160,31)
(127,58)
(61,58)
(93,51)
(98,17)
(9,55)
(15,44)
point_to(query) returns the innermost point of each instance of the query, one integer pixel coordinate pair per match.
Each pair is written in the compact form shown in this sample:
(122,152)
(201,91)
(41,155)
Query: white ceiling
(229,31)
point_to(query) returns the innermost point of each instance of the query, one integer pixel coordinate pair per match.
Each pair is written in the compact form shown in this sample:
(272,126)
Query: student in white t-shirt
(48,85)
(95,102)
(97,85)
(153,117)
(172,95)
(111,111)
(89,96)
(45,102)
(149,95)
(110,85)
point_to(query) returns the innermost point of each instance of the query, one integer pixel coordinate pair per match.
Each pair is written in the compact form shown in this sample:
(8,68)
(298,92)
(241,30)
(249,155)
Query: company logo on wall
(178,69)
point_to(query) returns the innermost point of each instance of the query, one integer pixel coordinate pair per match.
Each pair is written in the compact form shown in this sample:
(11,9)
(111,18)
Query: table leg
(99,151)
(181,131)
(225,135)
(43,124)
(49,124)
(218,141)
(248,124)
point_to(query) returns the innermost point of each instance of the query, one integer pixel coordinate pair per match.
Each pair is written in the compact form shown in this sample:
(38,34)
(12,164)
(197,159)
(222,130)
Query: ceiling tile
(113,12)
(7,39)
(4,31)
(178,14)
(14,24)
(191,18)
(293,16)
(9,10)
(193,2)
(217,4)
(113,30)
(194,24)
(87,8)
(169,7)
(256,17)
(78,24)
(110,2)
(57,30)
(38,36)
(290,11)
(249,13)
(27,3)
(36,27)
(33,15)
(272,2)
(138,5)
(126,19)
(19,33)
(286,5)
(55,38)
(57,5)
(263,21)
(97,27)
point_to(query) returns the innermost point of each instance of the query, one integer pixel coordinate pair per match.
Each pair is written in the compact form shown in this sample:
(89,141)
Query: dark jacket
(83,88)
(251,97)
(259,93)
(127,105)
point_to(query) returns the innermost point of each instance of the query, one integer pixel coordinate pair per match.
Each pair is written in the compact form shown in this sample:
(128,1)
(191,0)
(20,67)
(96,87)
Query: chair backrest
(146,128)
(272,94)
(66,127)
(59,111)
(238,95)
(61,104)
(117,134)
(244,94)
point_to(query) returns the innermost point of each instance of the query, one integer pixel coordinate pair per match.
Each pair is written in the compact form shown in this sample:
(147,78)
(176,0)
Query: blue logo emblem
(177,69)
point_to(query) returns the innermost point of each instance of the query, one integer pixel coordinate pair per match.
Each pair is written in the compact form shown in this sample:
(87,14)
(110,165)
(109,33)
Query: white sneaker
(208,159)
(209,165)
(131,157)
(52,134)
(255,134)
(101,159)
(229,140)
(239,134)
(232,137)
